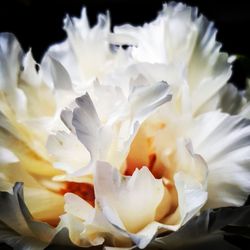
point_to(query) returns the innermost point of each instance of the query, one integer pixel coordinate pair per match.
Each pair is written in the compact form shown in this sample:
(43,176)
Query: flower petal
(129,203)
(78,207)
(88,127)
(224,143)
(61,145)
(10,58)
(17,220)
(74,227)
(95,228)
(191,196)
(19,141)
(55,74)
(182,39)
(6,156)
(87,48)
(43,204)
(17,241)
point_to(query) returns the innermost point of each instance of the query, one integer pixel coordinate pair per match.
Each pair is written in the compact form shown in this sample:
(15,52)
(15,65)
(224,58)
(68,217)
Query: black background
(38,23)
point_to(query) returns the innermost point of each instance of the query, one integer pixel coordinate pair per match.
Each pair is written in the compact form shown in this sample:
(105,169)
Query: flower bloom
(116,146)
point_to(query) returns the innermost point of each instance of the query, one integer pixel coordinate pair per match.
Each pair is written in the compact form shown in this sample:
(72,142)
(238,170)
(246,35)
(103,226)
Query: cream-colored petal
(87,49)
(74,227)
(21,82)
(6,156)
(18,140)
(61,146)
(92,228)
(190,163)
(78,207)
(191,196)
(43,204)
(190,182)
(186,41)
(128,202)
(29,73)
(223,141)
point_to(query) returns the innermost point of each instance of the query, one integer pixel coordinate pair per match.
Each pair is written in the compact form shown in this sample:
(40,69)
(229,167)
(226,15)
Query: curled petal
(19,229)
(181,38)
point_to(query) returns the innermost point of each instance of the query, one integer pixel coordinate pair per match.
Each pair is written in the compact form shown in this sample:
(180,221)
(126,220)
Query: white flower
(142,137)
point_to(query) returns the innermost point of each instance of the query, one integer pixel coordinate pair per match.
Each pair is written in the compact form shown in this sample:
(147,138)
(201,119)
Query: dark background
(38,23)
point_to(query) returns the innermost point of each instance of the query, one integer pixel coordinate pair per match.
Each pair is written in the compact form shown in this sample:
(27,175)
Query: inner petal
(143,152)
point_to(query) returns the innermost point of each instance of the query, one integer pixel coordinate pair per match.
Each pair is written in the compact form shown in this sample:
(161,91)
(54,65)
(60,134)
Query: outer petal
(86,48)
(43,204)
(234,101)
(10,60)
(186,41)
(191,196)
(74,227)
(26,146)
(55,74)
(93,227)
(212,229)
(40,99)
(20,83)
(224,142)
(19,229)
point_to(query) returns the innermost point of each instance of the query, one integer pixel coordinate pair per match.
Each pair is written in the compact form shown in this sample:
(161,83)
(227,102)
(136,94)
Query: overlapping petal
(109,140)
(223,141)
(185,41)
(87,48)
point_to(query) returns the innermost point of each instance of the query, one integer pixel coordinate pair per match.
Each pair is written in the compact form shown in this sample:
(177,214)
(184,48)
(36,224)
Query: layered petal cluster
(106,146)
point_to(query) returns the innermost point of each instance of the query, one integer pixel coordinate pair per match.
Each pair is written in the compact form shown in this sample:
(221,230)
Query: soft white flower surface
(89,50)
(185,42)
(117,146)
